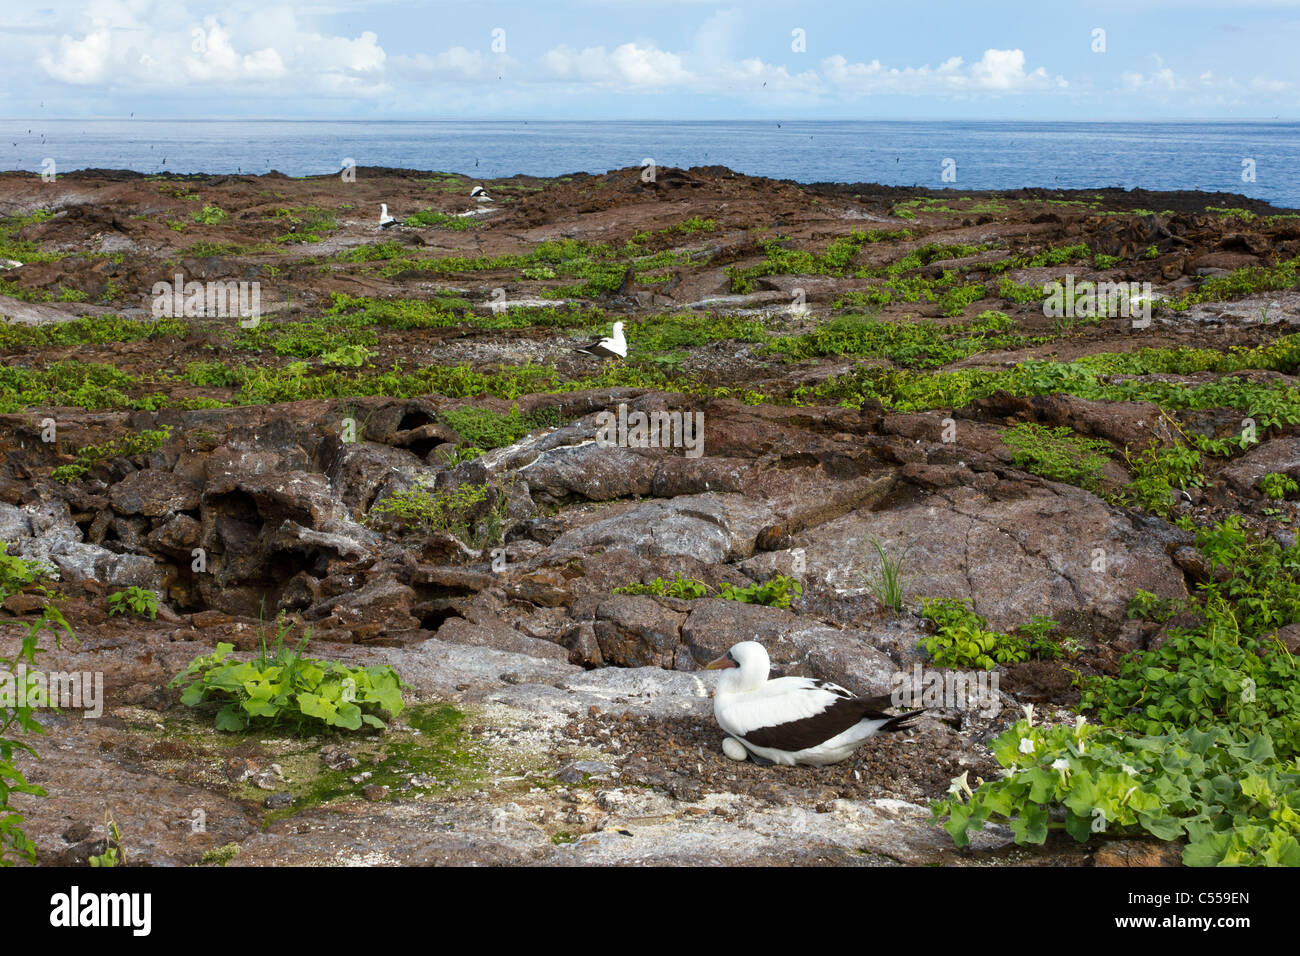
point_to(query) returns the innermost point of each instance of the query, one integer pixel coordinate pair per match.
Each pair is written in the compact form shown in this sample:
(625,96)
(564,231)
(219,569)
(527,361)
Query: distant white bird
(792,720)
(479,193)
(614,346)
(385,220)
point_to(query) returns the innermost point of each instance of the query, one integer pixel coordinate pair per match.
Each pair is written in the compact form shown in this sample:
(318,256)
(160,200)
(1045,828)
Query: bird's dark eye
(732,657)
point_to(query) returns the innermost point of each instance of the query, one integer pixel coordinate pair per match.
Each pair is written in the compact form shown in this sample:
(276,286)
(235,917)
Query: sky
(665,59)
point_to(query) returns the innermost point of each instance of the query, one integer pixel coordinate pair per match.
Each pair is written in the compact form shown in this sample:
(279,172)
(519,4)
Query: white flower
(960,786)
(1060,764)
(1128,770)
(1079,722)
(1029,713)
(1026,745)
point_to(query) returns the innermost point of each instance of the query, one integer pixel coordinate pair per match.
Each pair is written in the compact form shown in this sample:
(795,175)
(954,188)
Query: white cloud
(997,70)
(101,51)
(142,45)
(1165,81)
(630,65)
(716,38)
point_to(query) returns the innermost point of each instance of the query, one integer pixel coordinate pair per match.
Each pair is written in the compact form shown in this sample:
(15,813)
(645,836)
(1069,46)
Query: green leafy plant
(1278,486)
(775,592)
(17,713)
(128,446)
(472,513)
(962,637)
(134,600)
(1150,607)
(678,587)
(1226,794)
(282,687)
(347,355)
(1158,472)
(1036,633)
(209,215)
(1201,733)
(112,855)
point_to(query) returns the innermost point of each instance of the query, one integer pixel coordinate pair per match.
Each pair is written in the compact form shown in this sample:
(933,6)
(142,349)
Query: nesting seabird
(792,720)
(614,346)
(385,220)
(479,193)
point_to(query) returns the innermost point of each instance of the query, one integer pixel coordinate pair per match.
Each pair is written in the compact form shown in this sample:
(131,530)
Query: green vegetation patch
(429,217)
(128,446)
(484,429)
(778,591)
(21,250)
(910,344)
(963,638)
(96,331)
(1057,454)
(1201,735)
(1240,282)
(284,688)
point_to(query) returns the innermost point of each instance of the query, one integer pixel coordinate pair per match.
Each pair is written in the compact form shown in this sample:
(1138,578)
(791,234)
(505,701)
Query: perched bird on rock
(792,720)
(614,346)
(385,220)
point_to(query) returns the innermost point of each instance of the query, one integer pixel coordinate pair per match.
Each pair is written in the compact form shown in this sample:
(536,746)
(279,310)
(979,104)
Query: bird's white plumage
(614,344)
(779,701)
(746,701)
(385,220)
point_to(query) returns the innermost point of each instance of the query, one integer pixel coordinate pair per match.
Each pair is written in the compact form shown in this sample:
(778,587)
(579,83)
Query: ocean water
(988,155)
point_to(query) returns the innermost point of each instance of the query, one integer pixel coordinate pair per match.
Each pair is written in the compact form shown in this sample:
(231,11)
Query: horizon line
(585,119)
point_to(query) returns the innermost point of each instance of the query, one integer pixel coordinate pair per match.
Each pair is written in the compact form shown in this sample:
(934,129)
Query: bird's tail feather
(901,722)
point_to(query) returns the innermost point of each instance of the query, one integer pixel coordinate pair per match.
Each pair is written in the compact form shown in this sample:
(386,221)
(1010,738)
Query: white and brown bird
(479,193)
(614,346)
(385,220)
(792,720)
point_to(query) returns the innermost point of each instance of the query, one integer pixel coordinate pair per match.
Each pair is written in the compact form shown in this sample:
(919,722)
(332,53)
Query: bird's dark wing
(841,714)
(597,349)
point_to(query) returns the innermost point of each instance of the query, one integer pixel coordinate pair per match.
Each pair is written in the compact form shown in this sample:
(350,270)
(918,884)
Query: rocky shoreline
(554,720)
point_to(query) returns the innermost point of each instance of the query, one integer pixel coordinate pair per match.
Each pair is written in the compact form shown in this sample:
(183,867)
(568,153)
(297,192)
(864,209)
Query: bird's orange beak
(722,662)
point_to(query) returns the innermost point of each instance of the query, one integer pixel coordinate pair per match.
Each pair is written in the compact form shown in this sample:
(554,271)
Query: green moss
(428,217)
(485,429)
(1057,454)
(435,751)
(221,855)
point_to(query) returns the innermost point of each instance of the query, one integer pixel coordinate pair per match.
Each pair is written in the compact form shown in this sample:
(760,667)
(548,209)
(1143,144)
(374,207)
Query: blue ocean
(1260,160)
